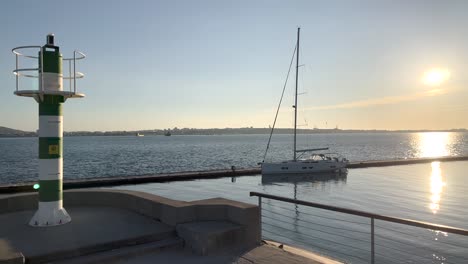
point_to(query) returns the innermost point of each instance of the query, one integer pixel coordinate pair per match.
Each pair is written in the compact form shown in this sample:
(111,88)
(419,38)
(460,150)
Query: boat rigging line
(279,104)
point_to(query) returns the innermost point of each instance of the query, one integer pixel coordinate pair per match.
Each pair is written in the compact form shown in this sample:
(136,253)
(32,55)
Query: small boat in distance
(167,133)
(315,162)
(139,135)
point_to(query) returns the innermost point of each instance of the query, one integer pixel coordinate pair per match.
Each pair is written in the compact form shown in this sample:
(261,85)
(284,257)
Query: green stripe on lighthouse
(52,61)
(50,110)
(51,105)
(50,148)
(50,190)
(53,99)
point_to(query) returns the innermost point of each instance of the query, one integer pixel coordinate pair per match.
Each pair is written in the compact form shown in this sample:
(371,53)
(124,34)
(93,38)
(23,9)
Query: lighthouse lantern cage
(38,72)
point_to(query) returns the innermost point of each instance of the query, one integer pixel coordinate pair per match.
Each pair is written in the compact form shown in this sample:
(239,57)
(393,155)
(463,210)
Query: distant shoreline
(10,133)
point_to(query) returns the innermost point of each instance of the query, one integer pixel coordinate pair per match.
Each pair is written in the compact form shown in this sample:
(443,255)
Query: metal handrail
(80,74)
(74,57)
(17,72)
(415,223)
(14,50)
(372,216)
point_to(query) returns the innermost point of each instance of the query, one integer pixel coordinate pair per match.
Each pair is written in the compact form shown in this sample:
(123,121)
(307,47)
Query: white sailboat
(315,162)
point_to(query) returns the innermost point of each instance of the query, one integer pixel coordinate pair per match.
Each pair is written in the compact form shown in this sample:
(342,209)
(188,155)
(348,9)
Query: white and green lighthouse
(50,97)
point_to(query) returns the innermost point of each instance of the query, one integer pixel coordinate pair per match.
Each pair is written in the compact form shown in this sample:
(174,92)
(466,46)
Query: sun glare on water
(435,76)
(437,185)
(433,144)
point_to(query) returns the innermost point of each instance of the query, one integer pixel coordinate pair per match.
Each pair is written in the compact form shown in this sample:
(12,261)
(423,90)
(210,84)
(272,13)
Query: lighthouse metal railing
(77,55)
(18,71)
(73,74)
(356,236)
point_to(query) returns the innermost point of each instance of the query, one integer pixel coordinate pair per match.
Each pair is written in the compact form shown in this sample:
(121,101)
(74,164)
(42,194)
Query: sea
(432,192)
(108,156)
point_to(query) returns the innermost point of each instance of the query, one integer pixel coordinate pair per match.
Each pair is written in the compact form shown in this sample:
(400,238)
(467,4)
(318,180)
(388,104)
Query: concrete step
(103,247)
(126,253)
(8,254)
(208,237)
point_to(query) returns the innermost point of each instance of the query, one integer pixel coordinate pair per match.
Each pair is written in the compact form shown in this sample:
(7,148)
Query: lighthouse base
(50,214)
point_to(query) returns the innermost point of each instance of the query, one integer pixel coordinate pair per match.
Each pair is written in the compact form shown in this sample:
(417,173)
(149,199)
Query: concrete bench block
(211,212)
(172,215)
(208,237)
(20,203)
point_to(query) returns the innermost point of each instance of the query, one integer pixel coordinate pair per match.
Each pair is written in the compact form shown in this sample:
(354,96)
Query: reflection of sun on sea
(437,185)
(433,144)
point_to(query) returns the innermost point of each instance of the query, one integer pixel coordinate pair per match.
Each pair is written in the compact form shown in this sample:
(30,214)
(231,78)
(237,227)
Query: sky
(214,64)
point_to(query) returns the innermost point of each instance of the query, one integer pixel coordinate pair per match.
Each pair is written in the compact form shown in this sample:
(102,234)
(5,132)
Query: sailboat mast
(295,95)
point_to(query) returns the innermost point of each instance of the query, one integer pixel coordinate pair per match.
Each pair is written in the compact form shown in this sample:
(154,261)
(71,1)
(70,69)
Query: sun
(435,76)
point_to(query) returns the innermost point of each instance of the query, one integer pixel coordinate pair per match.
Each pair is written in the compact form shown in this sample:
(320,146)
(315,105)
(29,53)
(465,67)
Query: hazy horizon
(239,128)
(386,65)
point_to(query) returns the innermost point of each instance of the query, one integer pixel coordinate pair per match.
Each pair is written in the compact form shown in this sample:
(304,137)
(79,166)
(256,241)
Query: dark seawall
(210,174)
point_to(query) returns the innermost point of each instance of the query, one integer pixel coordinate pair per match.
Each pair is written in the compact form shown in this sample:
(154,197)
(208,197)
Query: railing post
(16,55)
(74,71)
(260,215)
(42,69)
(372,241)
(69,74)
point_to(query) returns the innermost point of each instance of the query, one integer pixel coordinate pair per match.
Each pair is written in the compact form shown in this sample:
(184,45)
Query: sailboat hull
(303,166)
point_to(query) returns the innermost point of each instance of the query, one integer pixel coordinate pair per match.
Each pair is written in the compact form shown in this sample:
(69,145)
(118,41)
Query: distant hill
(10,132)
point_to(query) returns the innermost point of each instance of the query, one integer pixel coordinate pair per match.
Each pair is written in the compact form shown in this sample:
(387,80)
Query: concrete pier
(111,226)
(93,229)
(109,219)
(385,163)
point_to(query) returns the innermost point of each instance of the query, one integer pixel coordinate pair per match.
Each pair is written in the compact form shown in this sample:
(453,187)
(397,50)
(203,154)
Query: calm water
(434,192)
(89,157)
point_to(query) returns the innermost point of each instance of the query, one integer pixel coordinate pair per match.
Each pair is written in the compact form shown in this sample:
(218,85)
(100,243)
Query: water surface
(100,156)
(433,192)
